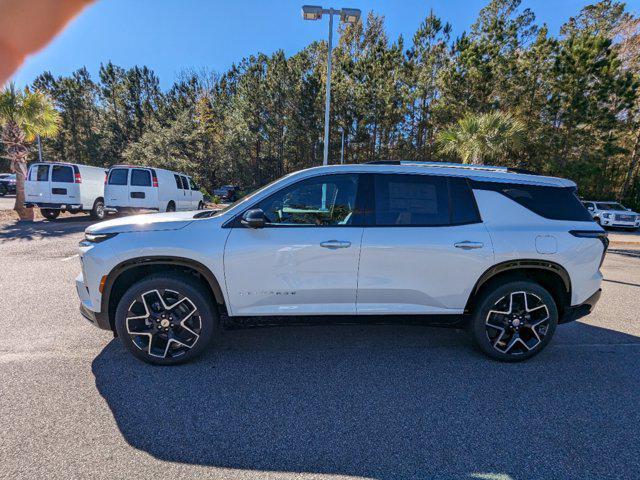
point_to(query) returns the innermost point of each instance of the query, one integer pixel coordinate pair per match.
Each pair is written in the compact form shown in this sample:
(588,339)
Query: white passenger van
(142,188)
(57,187)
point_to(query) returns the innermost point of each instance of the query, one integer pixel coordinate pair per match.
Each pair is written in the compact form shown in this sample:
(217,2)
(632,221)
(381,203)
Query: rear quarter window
(554,203)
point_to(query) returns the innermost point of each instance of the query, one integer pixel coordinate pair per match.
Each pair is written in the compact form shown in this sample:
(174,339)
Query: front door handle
(467,245)
(333,244)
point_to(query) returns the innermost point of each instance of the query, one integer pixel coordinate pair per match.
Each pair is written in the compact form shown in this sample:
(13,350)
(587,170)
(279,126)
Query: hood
(144,223)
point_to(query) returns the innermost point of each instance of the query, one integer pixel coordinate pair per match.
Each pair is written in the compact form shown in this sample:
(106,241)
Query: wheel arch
(551,275)
(130,271)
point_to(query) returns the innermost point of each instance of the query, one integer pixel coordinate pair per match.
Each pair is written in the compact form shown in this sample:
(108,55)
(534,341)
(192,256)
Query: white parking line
(70,258)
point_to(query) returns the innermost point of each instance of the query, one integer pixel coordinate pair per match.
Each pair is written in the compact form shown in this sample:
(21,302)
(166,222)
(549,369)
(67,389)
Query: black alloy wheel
(515,321)
(165,319)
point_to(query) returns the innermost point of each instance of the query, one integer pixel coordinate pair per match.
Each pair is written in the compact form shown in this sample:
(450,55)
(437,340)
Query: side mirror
(254,218)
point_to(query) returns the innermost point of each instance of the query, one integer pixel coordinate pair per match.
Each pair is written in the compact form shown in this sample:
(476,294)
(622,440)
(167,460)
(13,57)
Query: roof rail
(467,166)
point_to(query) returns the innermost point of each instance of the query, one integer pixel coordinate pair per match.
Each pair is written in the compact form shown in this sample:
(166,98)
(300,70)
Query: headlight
(606,215)
(92,238)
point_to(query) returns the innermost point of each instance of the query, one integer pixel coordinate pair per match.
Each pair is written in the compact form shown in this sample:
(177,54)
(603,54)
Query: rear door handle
(333,244)
(467,245)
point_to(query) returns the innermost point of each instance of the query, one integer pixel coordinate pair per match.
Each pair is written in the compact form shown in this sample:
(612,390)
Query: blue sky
(171,36)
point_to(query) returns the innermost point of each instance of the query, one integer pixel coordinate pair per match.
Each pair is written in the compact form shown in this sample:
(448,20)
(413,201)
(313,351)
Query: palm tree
(23,116)
(478,138)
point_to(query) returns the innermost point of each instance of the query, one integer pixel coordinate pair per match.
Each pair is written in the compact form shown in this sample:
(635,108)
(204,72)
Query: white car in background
(56,187)
(131,188)
(509,256)
(613,214)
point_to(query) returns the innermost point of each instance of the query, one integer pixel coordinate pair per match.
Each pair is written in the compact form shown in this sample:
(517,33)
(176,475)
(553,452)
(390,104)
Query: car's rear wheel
(200,206)
(49,213)
(3,190)
(514,321)
(98,212)
(166,319)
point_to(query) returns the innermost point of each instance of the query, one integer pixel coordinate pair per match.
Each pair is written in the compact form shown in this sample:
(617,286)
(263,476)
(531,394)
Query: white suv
(613,214)
(508,255)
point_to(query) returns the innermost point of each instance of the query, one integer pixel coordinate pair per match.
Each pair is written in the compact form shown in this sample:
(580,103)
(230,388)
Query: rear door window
(62,173)
(39,173)
(185,182)
(140,178)
(118,176)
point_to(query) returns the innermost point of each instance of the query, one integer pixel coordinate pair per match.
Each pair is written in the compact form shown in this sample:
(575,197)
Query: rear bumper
(578,311)
(54,206)
(117,209)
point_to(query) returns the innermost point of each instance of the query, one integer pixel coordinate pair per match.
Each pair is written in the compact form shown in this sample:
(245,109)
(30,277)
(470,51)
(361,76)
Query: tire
(597,220)
(3,190)
(191,334)
(517,334)
(171,207)
(97,212)
(200,206)
(49,213)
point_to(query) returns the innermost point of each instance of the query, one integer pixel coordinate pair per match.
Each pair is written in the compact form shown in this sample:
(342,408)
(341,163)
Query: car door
(425,249)
(196,194)
(37,189)
(305,259)
(64,189)
(179,192)
(117,190)
(186,194)
(141,190)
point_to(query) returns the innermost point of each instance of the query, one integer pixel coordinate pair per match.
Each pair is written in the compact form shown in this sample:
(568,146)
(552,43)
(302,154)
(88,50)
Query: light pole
(348,15)
(342,146)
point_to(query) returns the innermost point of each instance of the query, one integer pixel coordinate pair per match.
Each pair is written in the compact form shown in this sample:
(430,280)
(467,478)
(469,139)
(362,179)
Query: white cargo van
(143,188)
(57,187)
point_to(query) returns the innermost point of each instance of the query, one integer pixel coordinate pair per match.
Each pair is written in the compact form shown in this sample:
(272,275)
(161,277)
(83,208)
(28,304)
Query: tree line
(507,92)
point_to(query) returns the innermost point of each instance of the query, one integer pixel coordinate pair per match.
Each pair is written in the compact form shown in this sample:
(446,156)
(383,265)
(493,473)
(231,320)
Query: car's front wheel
(514,321)
(166,319)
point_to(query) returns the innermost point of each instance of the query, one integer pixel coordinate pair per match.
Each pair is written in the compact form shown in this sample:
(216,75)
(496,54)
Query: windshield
(610,206)
(246,198)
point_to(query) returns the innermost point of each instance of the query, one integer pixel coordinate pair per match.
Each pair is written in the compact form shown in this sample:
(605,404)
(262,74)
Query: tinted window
(61,173)
(416,200)
(463,203)
(185,183)
(140,178)
(193,185)
(118,176)
(318,201)
(178,181)
(554,203)
(39,173)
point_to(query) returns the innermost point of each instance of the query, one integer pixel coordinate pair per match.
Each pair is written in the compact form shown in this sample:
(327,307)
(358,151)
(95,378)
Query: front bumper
(612,222)
(98,319)
(578,311)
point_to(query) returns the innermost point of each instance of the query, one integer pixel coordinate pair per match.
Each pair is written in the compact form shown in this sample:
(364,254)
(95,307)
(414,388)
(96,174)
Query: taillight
(599,234)
(155,181)
(105,177)
(78,177)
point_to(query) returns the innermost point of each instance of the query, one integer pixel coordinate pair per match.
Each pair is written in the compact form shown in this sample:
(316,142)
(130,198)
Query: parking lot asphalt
(333,401)
(7,202)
